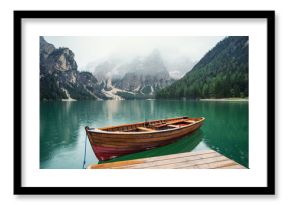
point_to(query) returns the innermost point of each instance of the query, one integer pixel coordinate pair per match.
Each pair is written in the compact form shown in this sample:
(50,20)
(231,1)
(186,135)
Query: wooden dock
(208,159)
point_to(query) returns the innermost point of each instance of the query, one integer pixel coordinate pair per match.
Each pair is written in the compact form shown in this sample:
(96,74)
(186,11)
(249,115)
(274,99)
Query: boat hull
(108,145)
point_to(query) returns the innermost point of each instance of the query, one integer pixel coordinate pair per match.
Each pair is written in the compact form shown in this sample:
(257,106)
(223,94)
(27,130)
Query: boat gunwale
(116,126)
(97,130)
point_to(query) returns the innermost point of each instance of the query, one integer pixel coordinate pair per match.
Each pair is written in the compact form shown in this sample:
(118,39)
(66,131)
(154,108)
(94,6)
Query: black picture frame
(268,190)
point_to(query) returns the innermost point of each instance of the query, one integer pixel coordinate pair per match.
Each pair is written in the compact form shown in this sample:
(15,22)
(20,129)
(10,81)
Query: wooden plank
(115,164)
(211,164)
(175,121)
(190,121)
(159,125)
(174,126)
(236,166)
(183,163)
(207,159)
(147,160)
(175,162)
(184,154)
(146,129)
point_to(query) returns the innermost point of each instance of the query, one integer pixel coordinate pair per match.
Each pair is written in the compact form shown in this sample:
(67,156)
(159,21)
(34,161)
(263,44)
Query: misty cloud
(95,49)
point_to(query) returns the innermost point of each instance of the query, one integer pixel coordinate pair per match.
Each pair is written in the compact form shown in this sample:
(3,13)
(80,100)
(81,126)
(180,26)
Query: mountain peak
(60,79)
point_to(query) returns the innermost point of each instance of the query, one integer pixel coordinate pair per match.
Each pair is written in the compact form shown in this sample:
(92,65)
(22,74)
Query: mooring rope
(84,162)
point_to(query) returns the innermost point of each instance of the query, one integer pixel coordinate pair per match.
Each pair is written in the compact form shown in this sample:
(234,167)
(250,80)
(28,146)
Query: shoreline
(226,99)
(203,99)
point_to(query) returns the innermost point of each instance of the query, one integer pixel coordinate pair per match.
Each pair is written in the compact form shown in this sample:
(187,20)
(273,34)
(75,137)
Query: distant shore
(226,99)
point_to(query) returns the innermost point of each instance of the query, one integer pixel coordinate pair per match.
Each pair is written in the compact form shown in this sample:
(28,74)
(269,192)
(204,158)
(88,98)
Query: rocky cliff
(60,79)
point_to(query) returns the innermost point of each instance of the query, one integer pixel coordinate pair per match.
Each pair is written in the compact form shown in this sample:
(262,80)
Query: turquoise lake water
(62,133)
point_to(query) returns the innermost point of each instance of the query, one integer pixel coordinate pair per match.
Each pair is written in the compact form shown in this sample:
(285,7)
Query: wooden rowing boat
(114,141)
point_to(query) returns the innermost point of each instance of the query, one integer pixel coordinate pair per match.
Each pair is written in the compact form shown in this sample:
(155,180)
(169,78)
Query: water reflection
(62,134)
(227,129)
(57,128)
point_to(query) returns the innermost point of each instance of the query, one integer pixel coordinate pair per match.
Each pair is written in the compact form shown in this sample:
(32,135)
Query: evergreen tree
(222,72)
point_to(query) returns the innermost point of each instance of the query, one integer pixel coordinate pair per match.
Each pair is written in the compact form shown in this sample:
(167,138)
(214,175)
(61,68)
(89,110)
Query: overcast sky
(94,48)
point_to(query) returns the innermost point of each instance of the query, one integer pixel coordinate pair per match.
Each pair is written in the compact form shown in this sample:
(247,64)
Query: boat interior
(151,126)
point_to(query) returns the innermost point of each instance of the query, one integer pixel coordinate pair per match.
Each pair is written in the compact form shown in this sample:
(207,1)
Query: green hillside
(221,73)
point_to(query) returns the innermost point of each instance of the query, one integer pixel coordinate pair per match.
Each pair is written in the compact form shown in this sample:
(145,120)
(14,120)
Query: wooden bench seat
(145,129)
(175,121)
(159,125)
(174,126)
(190,121)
